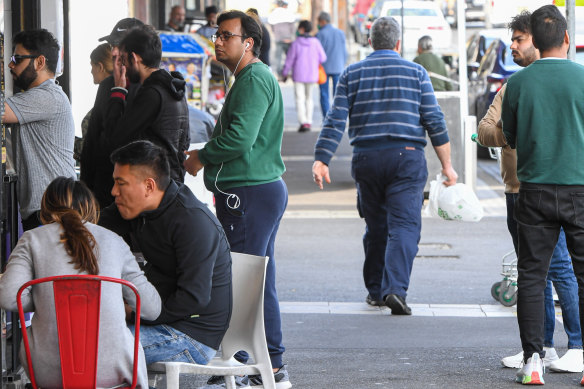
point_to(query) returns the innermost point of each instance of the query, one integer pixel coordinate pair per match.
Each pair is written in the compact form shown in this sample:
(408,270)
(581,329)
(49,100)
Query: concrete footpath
(457,334)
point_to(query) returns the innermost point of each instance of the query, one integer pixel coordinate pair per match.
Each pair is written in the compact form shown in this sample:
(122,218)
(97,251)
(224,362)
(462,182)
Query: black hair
(145,42)
(40,42)
(146,154)
(249,27)
(211,10)
(306,25)
(521,22)
(548,27)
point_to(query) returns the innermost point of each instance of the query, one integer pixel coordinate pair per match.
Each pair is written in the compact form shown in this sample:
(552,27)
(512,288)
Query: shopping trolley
(505,291)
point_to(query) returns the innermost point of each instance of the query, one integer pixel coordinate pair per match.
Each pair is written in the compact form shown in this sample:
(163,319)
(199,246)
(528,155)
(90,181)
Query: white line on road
(444,310)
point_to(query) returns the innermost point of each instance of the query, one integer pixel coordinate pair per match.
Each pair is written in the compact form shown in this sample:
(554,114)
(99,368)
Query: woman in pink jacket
(303,58)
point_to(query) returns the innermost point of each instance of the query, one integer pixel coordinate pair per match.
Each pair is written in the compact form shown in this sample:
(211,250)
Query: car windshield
(411,12)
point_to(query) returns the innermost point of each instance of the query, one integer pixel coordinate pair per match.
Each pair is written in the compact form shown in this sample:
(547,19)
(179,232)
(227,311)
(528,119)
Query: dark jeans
(251,228)
(390,189)
(324,93)
(561,274)
(541,211)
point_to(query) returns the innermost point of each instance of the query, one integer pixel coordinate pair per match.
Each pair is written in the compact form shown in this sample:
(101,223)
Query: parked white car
(420,18)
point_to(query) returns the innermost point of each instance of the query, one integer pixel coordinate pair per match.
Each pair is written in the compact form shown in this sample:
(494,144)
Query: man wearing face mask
(43,143)
(159,112)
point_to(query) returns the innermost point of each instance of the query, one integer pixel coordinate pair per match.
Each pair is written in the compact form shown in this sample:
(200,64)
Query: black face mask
(27,77)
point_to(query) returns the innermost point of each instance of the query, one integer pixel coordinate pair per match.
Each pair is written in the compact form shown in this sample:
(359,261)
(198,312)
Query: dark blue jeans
(541,211)
(251,228)
(325,101)
(390,188)
(561,274)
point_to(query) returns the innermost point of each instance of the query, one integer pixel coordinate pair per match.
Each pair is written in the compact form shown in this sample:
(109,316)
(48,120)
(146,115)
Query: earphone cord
(229,195)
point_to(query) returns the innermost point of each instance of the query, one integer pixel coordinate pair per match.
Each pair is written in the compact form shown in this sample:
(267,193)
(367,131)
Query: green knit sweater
(247,138)
(543,118)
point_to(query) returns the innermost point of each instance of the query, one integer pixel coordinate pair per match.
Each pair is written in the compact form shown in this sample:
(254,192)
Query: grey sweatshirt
(39,253)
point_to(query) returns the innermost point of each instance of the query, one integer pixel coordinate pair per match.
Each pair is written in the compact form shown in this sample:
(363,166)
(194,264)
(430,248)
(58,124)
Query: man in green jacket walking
(543,119)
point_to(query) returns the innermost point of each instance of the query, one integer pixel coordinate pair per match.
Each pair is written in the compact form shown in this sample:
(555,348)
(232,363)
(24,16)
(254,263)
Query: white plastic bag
(436,187)
(456,202)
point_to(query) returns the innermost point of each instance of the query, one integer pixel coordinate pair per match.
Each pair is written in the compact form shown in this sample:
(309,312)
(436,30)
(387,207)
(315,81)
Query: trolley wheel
(495,290)
(508,296)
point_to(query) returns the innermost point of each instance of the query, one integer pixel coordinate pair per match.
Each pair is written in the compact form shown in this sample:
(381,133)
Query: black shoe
(219,381)
(374,303)
(397,304)
(280,377)
(304,128)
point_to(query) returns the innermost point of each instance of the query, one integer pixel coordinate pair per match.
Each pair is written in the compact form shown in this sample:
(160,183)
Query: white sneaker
(516,361)
(571,362)
(532,372)
(551,356)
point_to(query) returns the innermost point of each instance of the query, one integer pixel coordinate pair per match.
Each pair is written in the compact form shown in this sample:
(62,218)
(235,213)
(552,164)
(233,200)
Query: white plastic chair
(246,330)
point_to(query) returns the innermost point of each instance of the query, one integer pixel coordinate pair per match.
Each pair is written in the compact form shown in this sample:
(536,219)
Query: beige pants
(304,103)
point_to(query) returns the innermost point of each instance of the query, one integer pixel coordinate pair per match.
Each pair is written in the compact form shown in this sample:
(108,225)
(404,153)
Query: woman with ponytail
(70,242)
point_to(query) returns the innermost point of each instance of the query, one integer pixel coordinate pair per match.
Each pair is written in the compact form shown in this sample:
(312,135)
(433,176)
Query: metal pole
(571,19)
(469,169)
(402,29)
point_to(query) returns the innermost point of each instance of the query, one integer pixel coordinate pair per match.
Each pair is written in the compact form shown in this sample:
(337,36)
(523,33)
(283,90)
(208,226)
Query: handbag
(321,75)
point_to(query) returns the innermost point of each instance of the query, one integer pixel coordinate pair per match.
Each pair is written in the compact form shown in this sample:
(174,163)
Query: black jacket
(158,113)
(96,167)
(188,262)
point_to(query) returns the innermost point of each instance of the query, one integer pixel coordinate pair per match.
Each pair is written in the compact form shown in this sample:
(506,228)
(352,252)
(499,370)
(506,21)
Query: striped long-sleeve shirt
(390,103)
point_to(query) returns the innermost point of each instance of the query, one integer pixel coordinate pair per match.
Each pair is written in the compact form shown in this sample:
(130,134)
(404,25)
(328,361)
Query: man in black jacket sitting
(187,255)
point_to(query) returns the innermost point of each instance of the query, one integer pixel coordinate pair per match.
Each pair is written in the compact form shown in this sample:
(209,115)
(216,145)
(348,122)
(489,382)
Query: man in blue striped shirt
(391,106)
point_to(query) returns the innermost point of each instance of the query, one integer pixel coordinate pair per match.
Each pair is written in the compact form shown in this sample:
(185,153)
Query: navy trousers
(390,188)
(251,228)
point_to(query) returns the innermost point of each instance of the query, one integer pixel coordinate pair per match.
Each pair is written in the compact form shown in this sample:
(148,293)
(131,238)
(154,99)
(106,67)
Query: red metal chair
(77,305)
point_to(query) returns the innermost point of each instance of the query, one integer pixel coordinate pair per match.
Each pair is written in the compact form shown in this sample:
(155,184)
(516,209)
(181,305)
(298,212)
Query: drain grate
(435,246)
(437,257)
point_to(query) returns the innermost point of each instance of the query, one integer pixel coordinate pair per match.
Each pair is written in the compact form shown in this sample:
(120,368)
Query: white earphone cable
(233,196)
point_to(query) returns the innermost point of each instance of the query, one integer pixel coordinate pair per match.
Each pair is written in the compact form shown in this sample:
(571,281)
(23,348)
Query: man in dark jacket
(159,111)
(186,251)
(96,168)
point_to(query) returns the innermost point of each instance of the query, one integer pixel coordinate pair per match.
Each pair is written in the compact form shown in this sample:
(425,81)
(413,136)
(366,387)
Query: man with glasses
(159,111)
(244,167)
(43,141)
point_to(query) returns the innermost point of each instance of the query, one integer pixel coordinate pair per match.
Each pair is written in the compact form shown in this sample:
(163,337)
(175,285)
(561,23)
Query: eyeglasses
(224,36)
(18,58)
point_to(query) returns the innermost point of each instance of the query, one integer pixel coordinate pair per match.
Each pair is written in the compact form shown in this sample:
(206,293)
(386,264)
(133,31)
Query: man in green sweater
(543,118)
(433,64)
(243,166)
